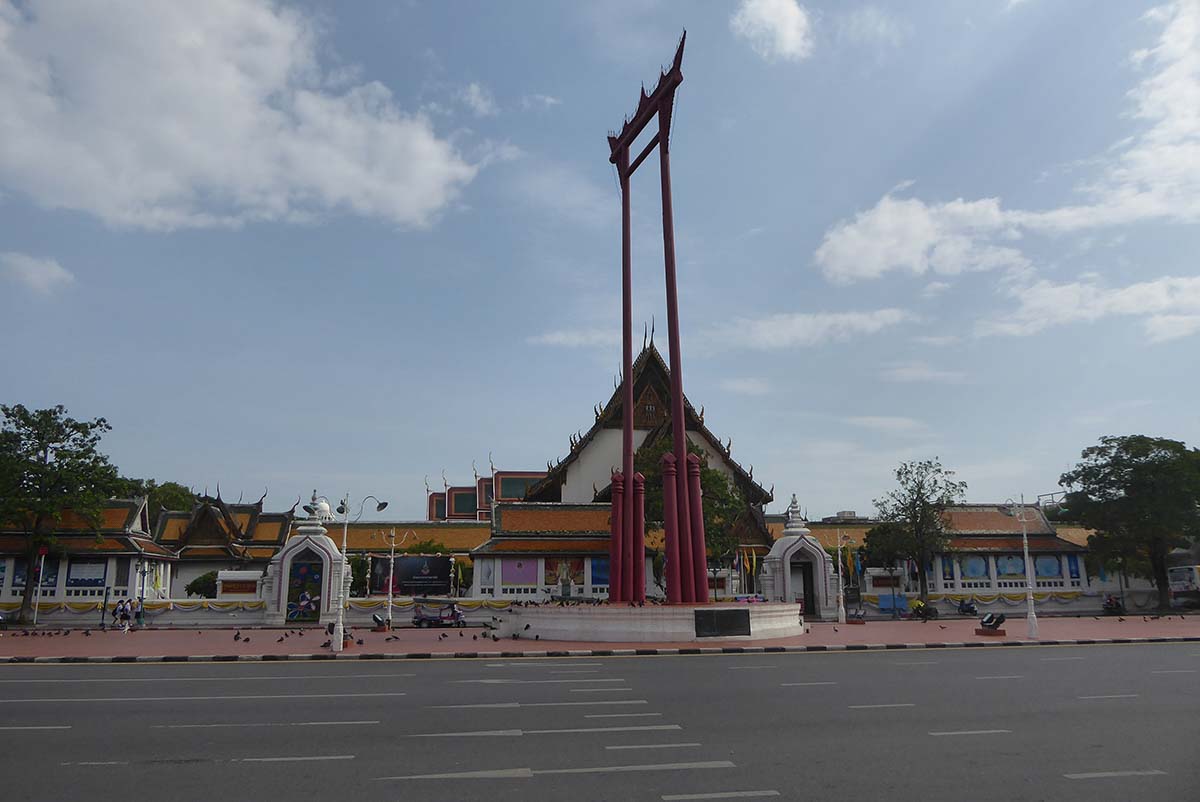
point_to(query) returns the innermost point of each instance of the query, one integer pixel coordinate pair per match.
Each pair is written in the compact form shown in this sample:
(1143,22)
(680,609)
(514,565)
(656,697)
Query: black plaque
(722,623)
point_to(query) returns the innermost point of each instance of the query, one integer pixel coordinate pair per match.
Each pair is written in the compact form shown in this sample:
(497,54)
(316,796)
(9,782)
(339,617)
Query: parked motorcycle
(967,607)
(923,611)
(992,620)
(1113,606)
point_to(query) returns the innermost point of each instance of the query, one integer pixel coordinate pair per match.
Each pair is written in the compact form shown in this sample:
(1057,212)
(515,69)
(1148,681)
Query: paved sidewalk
(182,644)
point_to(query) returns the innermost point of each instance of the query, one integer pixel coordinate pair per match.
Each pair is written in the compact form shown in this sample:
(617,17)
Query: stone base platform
(658,623)
(990,633)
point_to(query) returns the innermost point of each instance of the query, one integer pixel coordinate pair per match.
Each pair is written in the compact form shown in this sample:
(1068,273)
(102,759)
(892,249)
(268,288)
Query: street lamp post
(391,570)
(143,567)
(1030,614)
(841,597)
(339,629)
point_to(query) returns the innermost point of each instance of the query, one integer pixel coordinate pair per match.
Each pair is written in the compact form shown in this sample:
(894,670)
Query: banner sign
(564,569)
(520,571)
(413,575)
(86,573)
(600,571)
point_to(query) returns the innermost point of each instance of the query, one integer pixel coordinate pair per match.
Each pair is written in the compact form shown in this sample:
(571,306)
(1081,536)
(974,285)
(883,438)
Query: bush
(204,586)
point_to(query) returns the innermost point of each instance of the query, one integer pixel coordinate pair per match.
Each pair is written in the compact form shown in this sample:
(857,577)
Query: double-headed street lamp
(841,594)
(339,629)
(1030,614)
(392,567)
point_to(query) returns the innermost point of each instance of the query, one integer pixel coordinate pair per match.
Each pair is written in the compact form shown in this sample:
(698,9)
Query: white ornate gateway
(298,586)
(798,569)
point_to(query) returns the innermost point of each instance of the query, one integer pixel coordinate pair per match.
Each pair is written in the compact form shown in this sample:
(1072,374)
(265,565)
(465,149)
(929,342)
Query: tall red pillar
(671,527)
(616,550)
(638,553)
(699,550)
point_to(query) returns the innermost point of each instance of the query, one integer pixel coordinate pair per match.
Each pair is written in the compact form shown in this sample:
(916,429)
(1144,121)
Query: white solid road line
(621,715)
(39,727)
(601,690)
(230,678)
(1111,696)
(513,705)
(97,763)
(651,746)
(1058,659)
(207,698)
(290,759)
(578,671)
(748,668)
(914,662)
(800,684)
(1099,775)
(719,795)
(1004,676)
(266,724)
(525,773)
(1175,671)
(530,681)
(572,730)
(872,707)
(971,732)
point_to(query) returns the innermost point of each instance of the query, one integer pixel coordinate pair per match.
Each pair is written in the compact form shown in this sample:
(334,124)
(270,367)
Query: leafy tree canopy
(1141,495)
(918,506)
(159,497)
(204,586)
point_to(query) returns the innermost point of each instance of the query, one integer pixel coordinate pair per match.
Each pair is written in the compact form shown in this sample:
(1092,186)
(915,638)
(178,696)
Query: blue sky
(347,246)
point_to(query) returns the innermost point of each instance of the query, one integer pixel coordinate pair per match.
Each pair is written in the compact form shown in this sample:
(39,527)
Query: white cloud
(775,29)
(479,100)
(43,276)
(1170,306)
(935,288)
(936,339)
(921,372)
(578,338)
(871,25)
(746,386)
(888,424)
(1152,175)
(787,330)
(539,102)
(167,115)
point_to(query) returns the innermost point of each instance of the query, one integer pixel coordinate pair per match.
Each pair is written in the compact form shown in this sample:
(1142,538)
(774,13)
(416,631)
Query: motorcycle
(923,611)
(1113,606)
(992,621)
(967,607)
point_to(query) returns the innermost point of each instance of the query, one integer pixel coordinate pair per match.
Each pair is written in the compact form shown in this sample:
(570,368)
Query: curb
(622,652)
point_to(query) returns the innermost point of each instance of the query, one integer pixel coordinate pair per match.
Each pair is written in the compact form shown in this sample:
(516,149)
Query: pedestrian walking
(135,610)
(123,610)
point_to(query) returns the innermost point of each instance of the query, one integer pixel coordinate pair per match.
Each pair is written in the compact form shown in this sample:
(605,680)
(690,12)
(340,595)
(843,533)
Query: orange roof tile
(594,518)
(504,545)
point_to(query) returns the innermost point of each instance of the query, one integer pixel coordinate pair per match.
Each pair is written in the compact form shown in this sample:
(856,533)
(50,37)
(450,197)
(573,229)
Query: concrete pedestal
(650,624)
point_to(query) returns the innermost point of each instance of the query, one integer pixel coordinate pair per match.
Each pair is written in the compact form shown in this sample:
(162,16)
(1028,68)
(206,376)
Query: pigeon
(835,629)
(359,642)
(496,638)
(287,634)
(1095,618)
(326,644)
(1122,620)
(527,626)
(280,639)
(300,634)
(941,626)
(516,636)
(537,637)
(237,635)
(1145,620)
(87,633)
(245,640)
(460,634)
(474,637)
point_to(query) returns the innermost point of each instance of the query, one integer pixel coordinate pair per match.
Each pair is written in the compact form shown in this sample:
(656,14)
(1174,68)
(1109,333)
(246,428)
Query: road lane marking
(530,681)
(914,662)
(1175,671)
(568,730)
(872,707)
(97,763)
(1004,676)
(1097,775)
(801,684)
(652,746)
(557,664)
(290,759)
(266,724)
(970,732)
(208,698)
(1110,696)
(601,690)
(39,727)
(526,773)
(513,705)
(578,671)
(748,668)
(230,678)
(1059,659)
(719,795)
(621,715)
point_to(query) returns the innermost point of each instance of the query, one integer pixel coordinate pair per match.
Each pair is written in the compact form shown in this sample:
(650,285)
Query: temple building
(555,539)
(114,552)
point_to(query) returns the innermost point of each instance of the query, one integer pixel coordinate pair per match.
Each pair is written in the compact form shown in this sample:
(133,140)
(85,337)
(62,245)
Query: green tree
(723,503)
(919,505)
(159,497)
(50,463)
(884,545)
(204,586)
(360,570)
(1142,497)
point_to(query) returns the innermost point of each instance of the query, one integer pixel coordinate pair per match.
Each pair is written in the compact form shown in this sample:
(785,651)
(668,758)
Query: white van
(1184,582)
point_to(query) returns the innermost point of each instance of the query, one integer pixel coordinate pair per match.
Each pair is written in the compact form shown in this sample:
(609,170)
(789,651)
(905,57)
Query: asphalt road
(1065,723)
